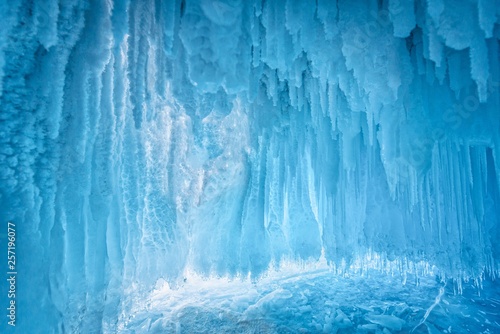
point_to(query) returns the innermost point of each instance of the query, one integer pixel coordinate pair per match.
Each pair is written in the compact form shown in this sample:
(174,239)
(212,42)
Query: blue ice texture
(143,140)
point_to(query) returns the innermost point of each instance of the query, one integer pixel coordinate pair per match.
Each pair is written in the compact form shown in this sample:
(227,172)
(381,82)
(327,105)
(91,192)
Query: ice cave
(250,166)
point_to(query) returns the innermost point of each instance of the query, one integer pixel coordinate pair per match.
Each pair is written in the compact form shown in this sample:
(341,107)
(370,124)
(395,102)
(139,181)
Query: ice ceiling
(142,139)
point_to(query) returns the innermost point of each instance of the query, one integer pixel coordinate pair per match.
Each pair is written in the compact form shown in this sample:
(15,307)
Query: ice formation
(141,139)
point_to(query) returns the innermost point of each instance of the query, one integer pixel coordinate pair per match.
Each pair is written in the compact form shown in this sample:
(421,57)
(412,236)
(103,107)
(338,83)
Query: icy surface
(298,300)
(142,139)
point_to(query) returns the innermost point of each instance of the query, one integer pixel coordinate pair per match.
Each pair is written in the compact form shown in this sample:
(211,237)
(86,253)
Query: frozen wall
(143,138)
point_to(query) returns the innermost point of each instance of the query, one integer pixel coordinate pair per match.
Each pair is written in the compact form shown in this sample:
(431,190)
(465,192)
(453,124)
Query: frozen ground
(317,301)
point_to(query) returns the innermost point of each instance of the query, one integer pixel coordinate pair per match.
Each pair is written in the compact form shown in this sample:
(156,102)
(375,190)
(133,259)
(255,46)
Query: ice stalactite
(141,139)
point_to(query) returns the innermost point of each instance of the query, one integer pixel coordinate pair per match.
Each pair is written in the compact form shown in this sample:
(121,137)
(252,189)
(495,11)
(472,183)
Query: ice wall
(142,138)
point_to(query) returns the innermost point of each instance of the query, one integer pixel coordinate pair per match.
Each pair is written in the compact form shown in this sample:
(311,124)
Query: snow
(144,140)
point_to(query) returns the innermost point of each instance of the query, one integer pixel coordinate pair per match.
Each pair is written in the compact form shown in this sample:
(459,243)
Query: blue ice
(251,166)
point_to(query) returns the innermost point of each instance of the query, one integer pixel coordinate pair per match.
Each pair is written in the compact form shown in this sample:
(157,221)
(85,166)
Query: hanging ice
(143,139)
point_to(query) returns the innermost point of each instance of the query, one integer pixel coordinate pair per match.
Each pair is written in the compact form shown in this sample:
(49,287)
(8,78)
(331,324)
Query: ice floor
(318,301)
